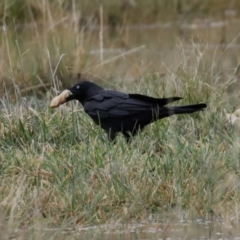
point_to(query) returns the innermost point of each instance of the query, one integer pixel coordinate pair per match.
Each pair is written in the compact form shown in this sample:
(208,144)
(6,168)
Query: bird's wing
(117,104)
(158,101)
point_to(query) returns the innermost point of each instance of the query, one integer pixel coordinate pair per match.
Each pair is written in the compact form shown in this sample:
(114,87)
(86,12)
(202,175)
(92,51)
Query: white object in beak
(60,99)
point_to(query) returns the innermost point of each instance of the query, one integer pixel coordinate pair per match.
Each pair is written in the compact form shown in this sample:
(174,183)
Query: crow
(121,112)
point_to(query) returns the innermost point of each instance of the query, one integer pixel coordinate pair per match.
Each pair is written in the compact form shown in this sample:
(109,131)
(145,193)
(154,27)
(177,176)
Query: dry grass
(47,42)
(58,169)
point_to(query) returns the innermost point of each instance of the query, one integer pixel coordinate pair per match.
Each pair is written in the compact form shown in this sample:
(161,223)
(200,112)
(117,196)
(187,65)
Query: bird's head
(81,92)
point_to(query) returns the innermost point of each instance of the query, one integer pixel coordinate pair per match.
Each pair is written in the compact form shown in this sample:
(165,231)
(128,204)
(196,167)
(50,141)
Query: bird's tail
(186,109)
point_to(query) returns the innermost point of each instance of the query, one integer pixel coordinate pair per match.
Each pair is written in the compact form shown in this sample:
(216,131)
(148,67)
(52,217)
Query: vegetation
(58,169)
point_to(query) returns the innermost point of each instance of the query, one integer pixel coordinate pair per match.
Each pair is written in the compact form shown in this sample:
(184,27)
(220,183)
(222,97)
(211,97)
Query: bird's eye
(77,87)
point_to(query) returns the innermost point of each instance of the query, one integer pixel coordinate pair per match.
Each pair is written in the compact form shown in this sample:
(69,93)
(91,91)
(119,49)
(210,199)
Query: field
(59,171)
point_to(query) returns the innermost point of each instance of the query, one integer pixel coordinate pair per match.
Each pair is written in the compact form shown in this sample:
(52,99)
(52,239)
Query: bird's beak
(63,97)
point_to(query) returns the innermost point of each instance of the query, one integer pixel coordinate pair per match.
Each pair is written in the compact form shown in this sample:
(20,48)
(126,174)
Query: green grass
(57,169)
(58,165)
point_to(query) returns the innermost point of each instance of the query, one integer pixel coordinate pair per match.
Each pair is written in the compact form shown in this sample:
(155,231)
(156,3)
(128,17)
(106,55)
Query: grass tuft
(58,169)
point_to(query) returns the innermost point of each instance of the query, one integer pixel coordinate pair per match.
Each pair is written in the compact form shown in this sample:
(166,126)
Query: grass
(35,51)
(58,165)
(57,169)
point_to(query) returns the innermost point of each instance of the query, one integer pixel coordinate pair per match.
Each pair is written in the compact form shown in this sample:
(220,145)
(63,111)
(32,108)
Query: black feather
(126,113)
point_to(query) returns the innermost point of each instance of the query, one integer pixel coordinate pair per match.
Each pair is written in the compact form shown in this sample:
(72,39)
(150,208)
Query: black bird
(121,112)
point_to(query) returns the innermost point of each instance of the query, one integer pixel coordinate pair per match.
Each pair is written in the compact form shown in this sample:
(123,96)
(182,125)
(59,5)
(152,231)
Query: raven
(121,112)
